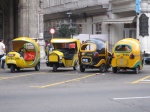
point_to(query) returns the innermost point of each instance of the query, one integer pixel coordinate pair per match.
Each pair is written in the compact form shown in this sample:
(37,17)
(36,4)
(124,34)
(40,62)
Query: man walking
(2,52)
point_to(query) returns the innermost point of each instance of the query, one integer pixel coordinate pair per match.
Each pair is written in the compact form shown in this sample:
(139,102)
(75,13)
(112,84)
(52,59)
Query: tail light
(132,56)
(112,55)
(96,54)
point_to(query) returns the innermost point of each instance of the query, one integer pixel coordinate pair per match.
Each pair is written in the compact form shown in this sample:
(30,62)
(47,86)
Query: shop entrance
(129,33)
(129,30)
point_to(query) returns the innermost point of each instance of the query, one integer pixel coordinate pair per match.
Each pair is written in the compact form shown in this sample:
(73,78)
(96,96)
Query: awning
(120,20)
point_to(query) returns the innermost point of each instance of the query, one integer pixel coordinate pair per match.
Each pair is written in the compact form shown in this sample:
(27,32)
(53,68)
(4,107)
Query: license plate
(10,58)
(10,61)
(85,60)
(121,61)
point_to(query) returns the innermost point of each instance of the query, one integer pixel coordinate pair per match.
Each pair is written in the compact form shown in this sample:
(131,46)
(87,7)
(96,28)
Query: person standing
(47,44)
(2,52)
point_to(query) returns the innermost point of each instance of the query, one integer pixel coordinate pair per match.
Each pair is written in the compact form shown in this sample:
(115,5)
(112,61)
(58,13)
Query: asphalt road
(73,91)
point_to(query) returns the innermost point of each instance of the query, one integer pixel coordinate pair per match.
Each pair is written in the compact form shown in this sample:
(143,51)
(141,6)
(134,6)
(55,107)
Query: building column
(23,18)
(31,21)
(11,24)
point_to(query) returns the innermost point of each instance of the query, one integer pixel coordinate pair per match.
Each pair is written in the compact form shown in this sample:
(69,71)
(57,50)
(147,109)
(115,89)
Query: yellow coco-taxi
(25,54)
(94,55)
(64,54)
(126,54)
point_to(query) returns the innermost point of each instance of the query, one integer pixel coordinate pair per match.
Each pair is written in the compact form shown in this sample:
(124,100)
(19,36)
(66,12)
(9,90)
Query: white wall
(87,25)
(84,37)
(116,32)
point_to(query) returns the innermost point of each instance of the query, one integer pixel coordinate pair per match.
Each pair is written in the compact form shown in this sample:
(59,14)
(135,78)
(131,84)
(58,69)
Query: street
(72,91)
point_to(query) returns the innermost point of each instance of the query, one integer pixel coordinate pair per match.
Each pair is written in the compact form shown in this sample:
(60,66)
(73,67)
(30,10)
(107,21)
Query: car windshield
(63,47)
(89,47)
(147,55)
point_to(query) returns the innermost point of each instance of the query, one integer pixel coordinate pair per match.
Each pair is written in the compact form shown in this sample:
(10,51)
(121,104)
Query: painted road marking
(63,82)
(130,98)
(140,80)
(18,76)
(146,80)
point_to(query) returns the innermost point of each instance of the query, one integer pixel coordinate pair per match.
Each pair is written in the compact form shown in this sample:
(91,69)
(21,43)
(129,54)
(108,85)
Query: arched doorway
(8,21)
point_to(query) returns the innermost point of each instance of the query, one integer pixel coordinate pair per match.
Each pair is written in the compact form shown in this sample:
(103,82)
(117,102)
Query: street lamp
(70,20)
(69,14)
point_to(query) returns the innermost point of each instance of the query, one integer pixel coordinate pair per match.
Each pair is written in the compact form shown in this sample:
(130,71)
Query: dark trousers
(2,62)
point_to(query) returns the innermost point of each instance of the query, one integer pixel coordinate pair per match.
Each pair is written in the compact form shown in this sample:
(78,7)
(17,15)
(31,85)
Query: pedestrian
(36,40)
(3,61)
(143,58)
(2,52)
(47,46)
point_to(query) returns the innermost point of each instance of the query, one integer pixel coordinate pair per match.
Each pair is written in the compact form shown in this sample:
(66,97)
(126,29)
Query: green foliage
(65,31)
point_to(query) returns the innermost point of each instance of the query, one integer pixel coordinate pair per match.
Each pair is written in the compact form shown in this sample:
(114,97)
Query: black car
(147,58)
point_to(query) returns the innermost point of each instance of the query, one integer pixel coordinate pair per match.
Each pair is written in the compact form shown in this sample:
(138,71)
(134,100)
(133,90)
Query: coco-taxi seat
(29,56)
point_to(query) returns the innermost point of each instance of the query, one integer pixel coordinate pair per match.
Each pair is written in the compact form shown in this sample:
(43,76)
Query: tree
(65,31)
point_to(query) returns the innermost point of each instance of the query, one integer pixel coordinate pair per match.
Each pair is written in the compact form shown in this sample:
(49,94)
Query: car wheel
(18,69)
(102,68)
(114,69)
(54,67)
(136,70)
(75,66)
(12,68)
(37,67)
(82,69)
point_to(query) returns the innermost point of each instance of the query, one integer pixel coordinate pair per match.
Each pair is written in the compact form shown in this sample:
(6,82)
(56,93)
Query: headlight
(60,57)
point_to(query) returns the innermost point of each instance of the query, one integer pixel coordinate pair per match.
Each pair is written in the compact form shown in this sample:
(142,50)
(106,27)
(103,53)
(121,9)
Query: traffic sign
(138,6)
(52,30)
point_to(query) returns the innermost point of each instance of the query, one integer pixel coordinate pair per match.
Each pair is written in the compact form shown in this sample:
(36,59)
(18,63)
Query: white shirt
(2,47)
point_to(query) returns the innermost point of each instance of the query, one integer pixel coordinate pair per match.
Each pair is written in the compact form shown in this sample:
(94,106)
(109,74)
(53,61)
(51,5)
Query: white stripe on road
(129,98)
(146,80)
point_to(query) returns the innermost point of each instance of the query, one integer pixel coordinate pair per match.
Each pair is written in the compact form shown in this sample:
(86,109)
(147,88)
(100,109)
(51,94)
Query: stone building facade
(125,22)
(34,18)
(84,15)
(8,21)
(20,18)
(116,18)
(30,18)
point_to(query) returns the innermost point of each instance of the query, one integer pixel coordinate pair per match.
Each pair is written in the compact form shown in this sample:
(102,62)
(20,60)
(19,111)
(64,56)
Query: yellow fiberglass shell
(16,60)
(122,58)
(55,55)
(66,40)
(87,53)
(19,43)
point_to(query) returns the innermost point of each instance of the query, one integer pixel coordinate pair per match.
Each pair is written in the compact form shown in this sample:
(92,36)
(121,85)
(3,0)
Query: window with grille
(98,28)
